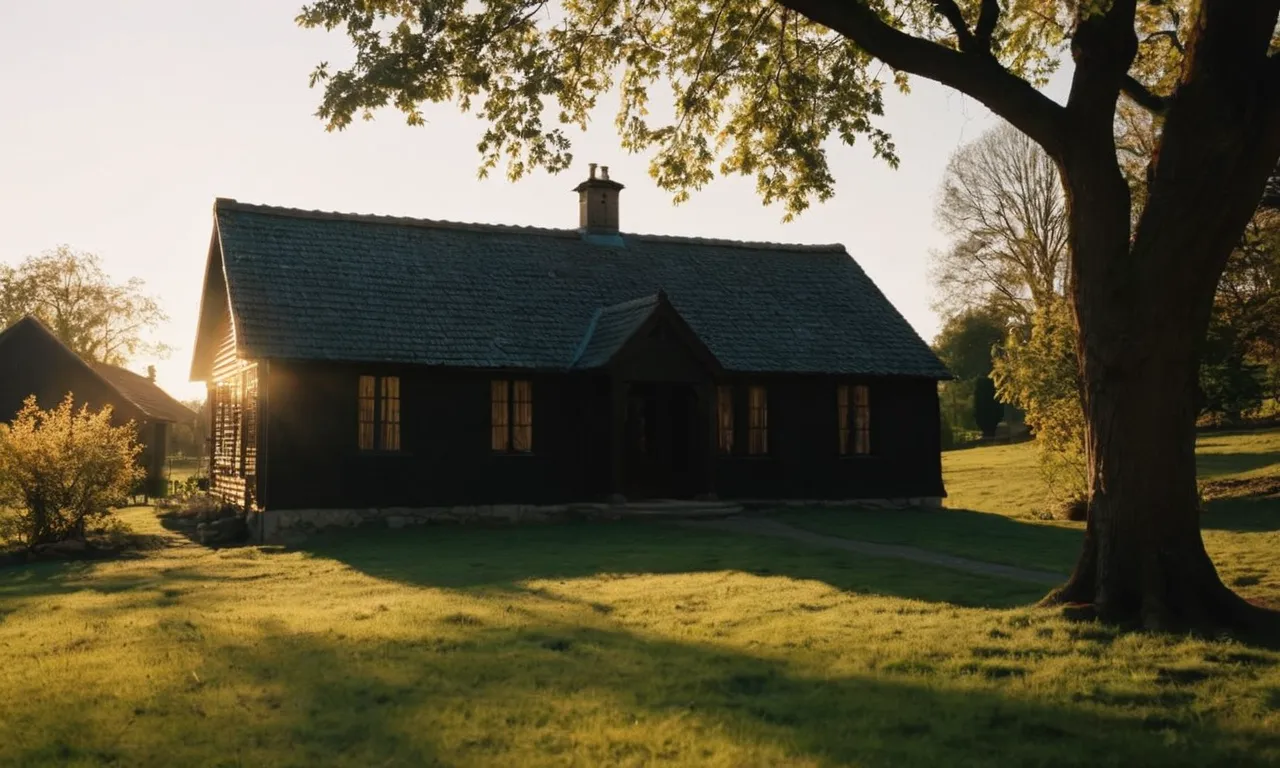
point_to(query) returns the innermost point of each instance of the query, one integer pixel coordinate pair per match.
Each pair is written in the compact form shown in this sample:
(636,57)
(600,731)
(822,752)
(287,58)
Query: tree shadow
(972,534)
(1210,465)
(553,692)
(470,557)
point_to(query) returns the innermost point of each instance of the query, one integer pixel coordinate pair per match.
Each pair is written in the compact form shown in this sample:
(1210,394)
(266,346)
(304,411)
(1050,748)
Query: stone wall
(275,525)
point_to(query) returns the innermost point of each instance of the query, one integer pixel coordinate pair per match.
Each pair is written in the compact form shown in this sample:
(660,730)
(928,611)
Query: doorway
(659,436)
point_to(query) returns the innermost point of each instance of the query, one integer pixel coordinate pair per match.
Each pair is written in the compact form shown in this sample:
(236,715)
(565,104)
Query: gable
(34,362)
(214,323)
(313,286)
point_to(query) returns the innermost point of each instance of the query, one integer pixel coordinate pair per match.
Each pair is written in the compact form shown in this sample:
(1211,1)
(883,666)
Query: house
(33,361)
(373,363)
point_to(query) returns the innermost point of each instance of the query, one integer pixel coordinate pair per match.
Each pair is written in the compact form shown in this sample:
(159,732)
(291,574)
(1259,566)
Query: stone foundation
(905,502)
(274,525)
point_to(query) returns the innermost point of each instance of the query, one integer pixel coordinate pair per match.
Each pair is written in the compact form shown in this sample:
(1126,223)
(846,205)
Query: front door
(658,437)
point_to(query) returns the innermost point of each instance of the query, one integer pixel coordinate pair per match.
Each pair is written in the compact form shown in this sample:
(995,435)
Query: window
(757,421)
(379,413)
(724,418)
(389,440)
(511,415)
(853,406)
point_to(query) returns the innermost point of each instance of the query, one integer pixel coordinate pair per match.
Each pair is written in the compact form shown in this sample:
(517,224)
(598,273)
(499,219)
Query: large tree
(101,320)
(758,86)
(1001,203)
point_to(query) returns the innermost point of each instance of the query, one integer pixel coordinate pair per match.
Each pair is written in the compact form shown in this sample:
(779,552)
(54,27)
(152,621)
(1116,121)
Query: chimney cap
(598,182)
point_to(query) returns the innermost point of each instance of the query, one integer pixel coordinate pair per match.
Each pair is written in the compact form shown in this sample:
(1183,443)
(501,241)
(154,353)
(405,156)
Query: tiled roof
(609,329)
(154,402)
(150,401)
(323,286)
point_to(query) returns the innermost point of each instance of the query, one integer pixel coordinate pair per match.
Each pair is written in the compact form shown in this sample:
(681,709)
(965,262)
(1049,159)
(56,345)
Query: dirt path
(761,526)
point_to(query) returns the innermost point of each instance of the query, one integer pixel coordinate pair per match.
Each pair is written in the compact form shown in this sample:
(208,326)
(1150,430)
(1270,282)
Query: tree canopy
(101,320)
(1001,204)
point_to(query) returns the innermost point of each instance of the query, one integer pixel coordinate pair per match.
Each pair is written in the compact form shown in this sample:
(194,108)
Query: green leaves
(63,467)
(740,86)
(68,291)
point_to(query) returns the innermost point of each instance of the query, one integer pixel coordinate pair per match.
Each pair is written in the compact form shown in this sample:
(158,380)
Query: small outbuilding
(33,361)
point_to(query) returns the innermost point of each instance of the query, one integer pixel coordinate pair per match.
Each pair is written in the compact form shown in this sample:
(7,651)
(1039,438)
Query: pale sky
(121,121)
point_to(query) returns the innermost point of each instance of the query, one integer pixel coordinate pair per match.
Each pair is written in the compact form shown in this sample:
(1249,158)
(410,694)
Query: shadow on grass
(464,557)
(966,533)
(1209,465)
(1242,515)
(549,692)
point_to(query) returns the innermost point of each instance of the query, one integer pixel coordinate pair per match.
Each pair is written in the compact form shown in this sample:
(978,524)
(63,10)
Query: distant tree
(758,88)
(101,320)
(1002,205)
(965,346)
(987,410)
(62,470)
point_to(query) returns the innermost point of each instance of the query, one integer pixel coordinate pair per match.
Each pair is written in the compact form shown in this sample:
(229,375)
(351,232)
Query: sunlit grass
(995,497)
(617,644)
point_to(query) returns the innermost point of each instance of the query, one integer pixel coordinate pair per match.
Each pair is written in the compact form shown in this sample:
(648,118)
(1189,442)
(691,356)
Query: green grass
(996,497)
(623,644)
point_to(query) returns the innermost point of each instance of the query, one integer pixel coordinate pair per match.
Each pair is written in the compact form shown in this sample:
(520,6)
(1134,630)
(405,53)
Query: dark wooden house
(374,362)
(33,361)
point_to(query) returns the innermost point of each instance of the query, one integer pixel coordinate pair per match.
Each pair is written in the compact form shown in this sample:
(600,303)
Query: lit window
(724,418)
(379,413)
(757,421)
(853,406)
(511,415)
(390,414)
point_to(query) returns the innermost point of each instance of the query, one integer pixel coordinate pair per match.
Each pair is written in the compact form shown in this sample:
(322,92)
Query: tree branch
(1172,34)
(1143,96)
(987,19)
(951,12)
(979,76)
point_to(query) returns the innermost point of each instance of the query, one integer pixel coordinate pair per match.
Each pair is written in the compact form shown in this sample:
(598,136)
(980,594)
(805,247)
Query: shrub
(1039,375)
(63,469)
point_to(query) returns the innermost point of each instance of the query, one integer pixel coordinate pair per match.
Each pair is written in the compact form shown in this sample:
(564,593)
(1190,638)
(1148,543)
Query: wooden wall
(804,460)
(312,459)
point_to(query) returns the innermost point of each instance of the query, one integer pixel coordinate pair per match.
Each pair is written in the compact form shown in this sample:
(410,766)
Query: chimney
(598,203)
(151,374)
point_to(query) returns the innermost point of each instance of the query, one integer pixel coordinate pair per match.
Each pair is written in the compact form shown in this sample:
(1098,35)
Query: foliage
(987,410)
(62,469)
(964,345)
(965,342)
(1002,205)
(1040,375)
(755,88)
(101,320)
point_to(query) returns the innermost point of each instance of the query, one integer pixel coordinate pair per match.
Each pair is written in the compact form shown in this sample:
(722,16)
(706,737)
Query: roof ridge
(91,366)
(226,203)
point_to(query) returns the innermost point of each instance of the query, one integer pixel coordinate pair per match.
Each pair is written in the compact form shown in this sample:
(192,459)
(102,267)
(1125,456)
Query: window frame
(726,426)
(517,416)
(760,429)
(854,420)
(386,410)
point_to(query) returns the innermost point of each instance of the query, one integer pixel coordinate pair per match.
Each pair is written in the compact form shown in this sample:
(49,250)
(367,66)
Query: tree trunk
(1142,310)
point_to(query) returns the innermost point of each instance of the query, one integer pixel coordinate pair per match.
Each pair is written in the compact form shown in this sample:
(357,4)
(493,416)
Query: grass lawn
(614,644)
(994,494)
